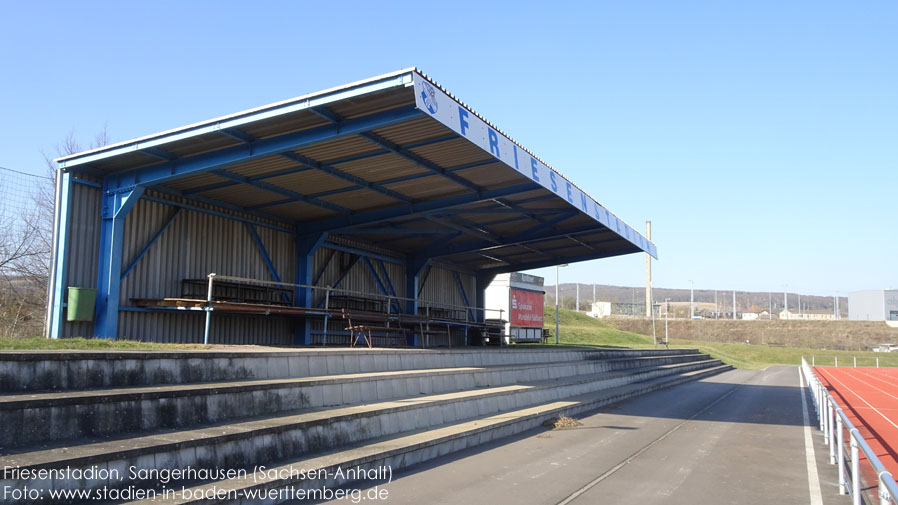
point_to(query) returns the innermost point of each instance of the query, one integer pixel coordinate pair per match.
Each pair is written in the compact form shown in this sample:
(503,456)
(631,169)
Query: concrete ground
(738,437)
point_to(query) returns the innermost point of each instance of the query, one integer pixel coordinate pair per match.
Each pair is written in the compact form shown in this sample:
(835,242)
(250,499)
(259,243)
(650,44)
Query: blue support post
(115,207)
(61,250)
(413,270)
(306,245)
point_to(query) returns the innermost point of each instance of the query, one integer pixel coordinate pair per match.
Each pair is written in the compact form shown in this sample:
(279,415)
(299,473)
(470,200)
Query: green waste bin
(82,302)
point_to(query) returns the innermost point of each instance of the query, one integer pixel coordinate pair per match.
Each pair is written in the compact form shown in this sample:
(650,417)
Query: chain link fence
(26,232)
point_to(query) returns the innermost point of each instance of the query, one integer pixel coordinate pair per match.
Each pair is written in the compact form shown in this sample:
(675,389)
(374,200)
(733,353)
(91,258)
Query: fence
(428,307)
(834,424)
(855,361)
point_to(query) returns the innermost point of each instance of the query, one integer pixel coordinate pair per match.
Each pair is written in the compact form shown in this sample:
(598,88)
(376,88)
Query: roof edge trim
(435,101)
(394,79)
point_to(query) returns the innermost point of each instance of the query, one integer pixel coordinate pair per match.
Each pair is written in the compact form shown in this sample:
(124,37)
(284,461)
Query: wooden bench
(237,292)
(367,323)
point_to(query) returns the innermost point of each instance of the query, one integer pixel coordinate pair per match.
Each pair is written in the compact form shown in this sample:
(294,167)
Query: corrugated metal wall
(196,244)
(82,252)
(441,286)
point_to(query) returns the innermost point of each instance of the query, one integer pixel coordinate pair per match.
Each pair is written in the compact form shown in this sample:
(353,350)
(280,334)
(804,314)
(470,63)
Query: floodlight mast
(557,282)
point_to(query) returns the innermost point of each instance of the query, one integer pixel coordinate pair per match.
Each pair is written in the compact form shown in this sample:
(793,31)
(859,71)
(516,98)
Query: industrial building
(873,305)
(374,212)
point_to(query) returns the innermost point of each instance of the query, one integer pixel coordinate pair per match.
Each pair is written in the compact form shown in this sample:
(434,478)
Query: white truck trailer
(520,296)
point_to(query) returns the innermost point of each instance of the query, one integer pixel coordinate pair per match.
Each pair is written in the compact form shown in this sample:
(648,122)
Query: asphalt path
(738,437)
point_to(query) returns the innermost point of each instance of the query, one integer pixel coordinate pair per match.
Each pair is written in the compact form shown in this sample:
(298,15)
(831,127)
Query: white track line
(810,458)
(865,401)
(881,380)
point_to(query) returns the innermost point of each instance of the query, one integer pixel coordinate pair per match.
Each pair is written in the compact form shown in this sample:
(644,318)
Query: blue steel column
(306,246)
(483,280)
(413,269)
(61,252)
(115,208)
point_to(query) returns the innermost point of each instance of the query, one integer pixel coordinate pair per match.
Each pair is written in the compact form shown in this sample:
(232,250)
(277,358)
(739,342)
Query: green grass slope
(581,330)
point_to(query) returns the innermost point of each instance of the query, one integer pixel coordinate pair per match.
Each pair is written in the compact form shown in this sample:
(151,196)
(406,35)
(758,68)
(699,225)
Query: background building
(873,305)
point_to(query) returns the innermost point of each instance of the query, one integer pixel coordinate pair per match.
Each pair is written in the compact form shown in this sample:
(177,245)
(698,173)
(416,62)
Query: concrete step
(33,418)
(283,482)
(78,370)
(263,440)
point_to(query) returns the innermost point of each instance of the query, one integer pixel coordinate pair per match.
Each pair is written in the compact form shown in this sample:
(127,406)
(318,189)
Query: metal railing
(834,424)
(428,306)
(852,361)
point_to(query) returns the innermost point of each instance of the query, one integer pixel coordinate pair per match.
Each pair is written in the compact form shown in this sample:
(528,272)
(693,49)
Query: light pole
(734,304)
(691,300)
(557,282)
(666,331)
(786,300)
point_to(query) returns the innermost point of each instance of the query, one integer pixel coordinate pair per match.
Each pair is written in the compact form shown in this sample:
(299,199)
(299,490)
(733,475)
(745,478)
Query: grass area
(579,329)
(85,344)
(583,331)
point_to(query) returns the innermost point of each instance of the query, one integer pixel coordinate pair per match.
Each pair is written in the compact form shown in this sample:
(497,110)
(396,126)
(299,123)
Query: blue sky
(761,138)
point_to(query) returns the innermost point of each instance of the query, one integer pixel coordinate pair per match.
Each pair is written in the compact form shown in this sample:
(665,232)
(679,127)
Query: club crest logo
(428,95)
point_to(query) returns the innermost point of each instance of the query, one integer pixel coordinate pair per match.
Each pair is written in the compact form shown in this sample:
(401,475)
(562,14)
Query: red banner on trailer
(526,309)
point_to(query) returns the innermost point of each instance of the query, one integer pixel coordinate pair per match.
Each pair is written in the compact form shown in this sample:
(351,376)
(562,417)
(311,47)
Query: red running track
(869,398)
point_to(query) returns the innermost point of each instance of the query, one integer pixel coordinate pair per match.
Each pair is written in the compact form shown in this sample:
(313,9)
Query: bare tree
(26,245)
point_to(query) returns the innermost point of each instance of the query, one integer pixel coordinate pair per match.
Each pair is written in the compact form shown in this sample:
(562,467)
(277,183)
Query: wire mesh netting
(26,231)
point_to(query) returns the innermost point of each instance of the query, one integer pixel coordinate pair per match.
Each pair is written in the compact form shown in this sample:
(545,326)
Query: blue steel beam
(218,203)
(114,208)
(189,165)
(514,267)
(471,231)
(362,252)
(201,210)
(373,271)
(418,160)
(464,295)
(383,269)
(352,262)
(355,188)
(340,174)
(149,245)
(264,252)
(414,281)
(438,250)
(327,263)
(550,223)
(397,149)
(382,215)
(306,246)
(241,179)
(343,274)
(394,230)
(221,185)
(298,197)
(337,162)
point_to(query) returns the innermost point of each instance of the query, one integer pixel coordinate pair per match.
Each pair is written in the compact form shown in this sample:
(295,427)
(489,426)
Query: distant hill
(746,301)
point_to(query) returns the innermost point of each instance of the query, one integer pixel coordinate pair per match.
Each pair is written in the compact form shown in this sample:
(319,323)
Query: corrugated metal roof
(412,167)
